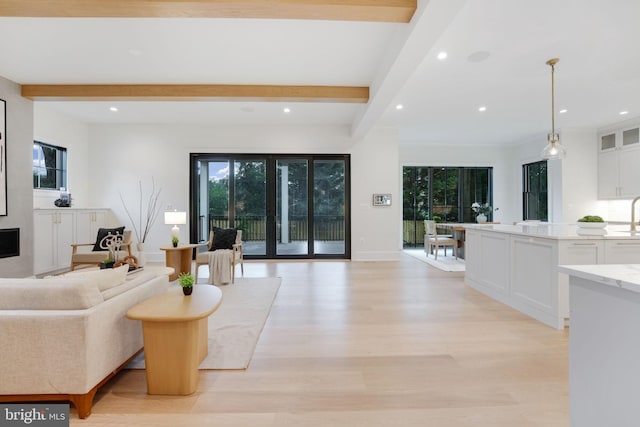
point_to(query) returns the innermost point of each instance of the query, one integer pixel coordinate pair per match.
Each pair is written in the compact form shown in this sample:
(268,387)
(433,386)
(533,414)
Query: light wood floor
(369,344)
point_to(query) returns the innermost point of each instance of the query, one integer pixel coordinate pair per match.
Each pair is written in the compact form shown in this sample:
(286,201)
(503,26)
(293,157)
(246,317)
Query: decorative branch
(146,220)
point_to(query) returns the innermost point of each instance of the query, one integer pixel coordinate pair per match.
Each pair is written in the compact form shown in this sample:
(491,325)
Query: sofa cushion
(105,279)
(131,282)
(223,238)
(58,293)
(104,232)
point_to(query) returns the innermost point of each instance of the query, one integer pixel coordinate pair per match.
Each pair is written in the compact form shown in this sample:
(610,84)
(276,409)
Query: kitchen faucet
(633,213)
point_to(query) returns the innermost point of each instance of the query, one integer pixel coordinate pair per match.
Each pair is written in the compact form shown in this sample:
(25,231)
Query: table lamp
(175,218)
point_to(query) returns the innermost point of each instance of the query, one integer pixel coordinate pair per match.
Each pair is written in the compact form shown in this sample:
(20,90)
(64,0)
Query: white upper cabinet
(619,164)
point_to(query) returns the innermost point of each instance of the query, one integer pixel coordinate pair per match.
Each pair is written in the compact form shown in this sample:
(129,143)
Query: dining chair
(432,240)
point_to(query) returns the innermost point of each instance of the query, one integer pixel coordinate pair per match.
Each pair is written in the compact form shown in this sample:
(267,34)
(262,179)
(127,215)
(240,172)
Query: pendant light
(553,149)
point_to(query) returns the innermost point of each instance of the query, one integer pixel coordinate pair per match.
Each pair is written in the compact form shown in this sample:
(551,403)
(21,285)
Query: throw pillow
(223,238)
(104,232)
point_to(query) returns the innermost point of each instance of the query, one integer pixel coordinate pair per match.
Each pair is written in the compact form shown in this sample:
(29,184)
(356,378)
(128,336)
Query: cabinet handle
(583,244)
(627,244)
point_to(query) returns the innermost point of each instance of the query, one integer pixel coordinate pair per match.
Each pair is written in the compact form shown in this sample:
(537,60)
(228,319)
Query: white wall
(572,182)
(19,139)
(376,230)
(121,156)
(52,127)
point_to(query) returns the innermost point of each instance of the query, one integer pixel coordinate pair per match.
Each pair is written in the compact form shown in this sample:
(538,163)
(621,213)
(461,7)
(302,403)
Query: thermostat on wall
(382,200)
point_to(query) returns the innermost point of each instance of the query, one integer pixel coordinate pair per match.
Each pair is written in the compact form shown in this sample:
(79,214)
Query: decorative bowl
(591,224)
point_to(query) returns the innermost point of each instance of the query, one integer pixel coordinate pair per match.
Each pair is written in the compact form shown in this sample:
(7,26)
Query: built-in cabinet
(618,160)
(521,271)
(87,224)
(56,229)
(621,252)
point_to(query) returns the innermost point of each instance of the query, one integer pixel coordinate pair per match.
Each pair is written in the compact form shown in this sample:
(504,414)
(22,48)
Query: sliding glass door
(444,194)
(286,206)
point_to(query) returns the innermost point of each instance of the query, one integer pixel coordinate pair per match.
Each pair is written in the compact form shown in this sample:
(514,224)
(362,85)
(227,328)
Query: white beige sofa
(64,337)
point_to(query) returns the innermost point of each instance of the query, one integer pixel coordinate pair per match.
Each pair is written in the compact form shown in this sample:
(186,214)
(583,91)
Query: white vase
(481,218)
(140,256)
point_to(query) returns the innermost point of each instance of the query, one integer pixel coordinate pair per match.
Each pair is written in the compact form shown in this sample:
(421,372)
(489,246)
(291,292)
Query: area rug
(444,263)
(235,327)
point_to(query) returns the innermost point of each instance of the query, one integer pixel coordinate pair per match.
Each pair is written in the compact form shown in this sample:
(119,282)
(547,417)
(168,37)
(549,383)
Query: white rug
(235,327)
(444,263)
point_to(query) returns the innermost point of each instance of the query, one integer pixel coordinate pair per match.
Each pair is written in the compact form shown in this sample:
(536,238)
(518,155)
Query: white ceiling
(597,77)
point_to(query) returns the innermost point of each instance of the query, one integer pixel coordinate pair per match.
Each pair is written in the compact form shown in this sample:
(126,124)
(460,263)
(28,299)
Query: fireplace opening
(9,242)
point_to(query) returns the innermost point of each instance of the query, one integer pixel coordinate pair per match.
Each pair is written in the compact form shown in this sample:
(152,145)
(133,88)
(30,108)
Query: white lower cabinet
(56,229)
(53,232)
(622,252)
(88,223)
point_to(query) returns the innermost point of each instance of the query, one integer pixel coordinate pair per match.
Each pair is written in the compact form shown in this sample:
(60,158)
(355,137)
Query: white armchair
(202,258)
(80,255)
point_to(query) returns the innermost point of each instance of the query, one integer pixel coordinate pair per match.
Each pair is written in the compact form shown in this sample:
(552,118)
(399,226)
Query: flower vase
(480,218)
(141,259)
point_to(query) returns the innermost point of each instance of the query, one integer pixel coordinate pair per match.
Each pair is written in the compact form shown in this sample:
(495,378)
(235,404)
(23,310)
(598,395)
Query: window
(534,191)
(49,166)
(444,194)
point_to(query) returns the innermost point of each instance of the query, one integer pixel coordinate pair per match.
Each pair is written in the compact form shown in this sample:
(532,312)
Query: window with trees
(444,194)
(49,166)
(534,191)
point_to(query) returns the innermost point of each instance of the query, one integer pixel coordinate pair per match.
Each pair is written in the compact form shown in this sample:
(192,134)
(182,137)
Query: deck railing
(326,227)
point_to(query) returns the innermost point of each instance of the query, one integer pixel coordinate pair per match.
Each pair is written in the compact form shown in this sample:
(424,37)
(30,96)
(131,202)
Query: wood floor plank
(370,344)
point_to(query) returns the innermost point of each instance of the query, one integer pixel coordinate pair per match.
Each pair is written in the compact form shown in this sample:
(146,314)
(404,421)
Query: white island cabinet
(604,345)
(518,265)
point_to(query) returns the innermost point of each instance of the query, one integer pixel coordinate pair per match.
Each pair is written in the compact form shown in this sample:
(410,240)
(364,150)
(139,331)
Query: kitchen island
(604,345)
(518,264)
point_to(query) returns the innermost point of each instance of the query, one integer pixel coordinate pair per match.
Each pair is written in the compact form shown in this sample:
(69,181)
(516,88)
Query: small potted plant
(591,221)
(174,241)
(186,281)
(107,263)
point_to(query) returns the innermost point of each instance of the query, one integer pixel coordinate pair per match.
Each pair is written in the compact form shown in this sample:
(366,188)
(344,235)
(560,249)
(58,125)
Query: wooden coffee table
(175,331)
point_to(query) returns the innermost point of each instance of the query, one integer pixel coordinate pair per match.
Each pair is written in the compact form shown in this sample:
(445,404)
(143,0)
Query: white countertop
(558,231)
(625,276)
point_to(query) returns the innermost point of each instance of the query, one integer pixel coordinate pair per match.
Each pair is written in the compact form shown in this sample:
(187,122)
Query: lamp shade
(174,217)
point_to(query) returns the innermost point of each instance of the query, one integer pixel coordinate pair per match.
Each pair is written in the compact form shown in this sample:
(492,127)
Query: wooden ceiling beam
(155,92)
(340,10)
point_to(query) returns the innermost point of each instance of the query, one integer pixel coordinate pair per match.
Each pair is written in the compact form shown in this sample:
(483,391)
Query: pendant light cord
(552,62)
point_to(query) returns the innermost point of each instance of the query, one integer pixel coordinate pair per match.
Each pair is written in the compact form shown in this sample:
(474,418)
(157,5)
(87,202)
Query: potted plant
(174,241)
(107,263)
(186,281)
(482,211)
(591,221)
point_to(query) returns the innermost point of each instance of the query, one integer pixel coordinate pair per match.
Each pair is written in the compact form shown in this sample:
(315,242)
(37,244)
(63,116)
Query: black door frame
(271,207)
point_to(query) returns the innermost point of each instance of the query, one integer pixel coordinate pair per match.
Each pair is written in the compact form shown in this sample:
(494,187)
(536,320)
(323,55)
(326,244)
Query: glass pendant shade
(553,150)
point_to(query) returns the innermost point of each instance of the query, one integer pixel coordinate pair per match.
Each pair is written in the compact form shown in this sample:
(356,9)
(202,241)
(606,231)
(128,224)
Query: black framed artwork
(3,157)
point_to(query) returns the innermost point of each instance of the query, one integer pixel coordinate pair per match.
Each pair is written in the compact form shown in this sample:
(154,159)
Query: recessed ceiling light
(287,110)
(478,56)
(399,107)
(442,55)
(113,108)
(482,109)
(564,110)
(622,113)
